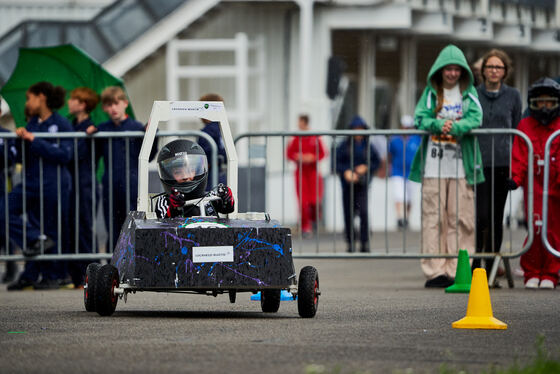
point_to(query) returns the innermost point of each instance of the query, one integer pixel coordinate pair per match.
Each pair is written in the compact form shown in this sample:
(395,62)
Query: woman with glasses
(501,108)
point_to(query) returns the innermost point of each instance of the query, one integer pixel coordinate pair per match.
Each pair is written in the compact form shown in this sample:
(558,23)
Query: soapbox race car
(243,252)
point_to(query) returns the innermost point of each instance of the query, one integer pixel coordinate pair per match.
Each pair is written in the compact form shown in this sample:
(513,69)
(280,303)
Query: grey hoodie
(500,110)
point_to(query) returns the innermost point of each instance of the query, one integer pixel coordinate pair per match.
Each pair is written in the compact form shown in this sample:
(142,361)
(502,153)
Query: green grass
(542,363)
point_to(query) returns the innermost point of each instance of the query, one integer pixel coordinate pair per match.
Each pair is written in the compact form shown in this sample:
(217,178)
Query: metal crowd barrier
(326,244)
(546,182)
(67,253)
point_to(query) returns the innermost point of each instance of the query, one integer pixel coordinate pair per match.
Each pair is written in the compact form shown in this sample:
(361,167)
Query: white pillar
(193,82)
(171,77)
(557,13)
(241,87)
(305,46)
(407,85)
(522,75)
(366,78)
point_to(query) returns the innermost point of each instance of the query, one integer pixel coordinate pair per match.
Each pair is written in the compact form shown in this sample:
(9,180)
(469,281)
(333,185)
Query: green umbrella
(63,65)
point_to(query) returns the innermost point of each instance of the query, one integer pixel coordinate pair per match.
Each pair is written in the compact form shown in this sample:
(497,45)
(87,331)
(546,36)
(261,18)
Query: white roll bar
(167,110)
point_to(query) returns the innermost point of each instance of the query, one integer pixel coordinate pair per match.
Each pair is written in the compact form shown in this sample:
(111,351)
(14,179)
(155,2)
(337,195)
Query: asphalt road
(373,315)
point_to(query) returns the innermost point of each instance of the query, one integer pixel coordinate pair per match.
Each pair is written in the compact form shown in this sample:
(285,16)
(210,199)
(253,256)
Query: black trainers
(46,284)
(11,272)
(35,248)
(364,248)
(20,285)
(440,281)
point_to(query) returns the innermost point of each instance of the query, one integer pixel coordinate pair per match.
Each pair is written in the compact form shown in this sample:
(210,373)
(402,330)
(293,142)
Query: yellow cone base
(479,309)
(489,323)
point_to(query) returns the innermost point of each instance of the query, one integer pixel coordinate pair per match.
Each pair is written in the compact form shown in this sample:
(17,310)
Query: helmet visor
(543,102)
(182,168)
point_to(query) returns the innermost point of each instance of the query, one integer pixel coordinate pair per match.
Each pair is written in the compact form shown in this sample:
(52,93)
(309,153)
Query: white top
(444,158)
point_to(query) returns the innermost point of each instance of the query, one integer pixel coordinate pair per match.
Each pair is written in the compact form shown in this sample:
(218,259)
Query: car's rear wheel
(105,297)
(89,286)
(270,300)
(308,292)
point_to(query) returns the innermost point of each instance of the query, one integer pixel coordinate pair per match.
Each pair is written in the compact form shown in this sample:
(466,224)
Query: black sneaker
(35,248)
(440,281)
(364,248)
(11,272)
(20,285)
(46,284)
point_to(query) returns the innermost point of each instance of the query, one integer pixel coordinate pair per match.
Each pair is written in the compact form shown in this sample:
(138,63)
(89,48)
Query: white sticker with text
(213,254)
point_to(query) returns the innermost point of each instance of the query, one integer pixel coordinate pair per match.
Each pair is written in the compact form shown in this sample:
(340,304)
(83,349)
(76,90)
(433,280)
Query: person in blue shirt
(81,103)
(356,163)
(115,210)
(7,157)
(47,180)
(213,129)
(402,149)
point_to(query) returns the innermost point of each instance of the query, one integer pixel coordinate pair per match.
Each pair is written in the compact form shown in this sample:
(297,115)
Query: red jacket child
(306,151)
(540,267)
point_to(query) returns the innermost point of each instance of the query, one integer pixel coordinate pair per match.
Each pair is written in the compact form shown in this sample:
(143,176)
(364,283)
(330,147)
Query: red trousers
(538,262)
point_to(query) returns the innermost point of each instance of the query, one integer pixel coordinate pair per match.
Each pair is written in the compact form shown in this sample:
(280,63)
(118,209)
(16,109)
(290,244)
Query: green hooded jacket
(425,118)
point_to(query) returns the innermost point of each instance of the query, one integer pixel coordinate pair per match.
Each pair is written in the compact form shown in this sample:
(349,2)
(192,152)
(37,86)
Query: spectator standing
(356,163)
(448,163)
(213,129)
(306,152)
(501,108)
(49,156)
(7,158)
(540,267)
(402,149)
(81,103)
(115,102)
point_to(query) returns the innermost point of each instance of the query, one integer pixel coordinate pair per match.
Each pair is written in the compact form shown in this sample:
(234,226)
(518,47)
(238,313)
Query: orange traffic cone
(479,310)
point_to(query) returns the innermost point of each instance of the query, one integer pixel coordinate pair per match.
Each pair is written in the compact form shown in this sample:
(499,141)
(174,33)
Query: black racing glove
(176,202)
(511,185)
(226,196)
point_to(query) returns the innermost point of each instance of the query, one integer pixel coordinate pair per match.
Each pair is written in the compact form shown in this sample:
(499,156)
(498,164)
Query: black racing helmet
(548,87)
(182,165)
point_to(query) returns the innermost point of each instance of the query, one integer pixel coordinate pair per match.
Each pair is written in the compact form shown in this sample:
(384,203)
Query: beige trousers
(450,230)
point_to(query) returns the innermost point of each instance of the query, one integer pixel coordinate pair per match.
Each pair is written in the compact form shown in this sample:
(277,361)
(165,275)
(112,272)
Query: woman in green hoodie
(448,163)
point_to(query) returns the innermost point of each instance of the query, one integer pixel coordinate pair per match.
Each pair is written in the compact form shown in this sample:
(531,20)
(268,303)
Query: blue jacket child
(7,157)
(116,178)
(352,159)
(81,103)
(45,163)
(213,129)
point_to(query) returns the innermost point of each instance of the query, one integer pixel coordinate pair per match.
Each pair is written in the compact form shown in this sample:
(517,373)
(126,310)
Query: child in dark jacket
(356,163)
(120,176)
(183,171)
(46,157)
(82,102)
(7,158)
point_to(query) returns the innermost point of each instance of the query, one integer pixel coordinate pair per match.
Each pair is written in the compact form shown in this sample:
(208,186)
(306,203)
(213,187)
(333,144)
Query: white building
(269,58)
